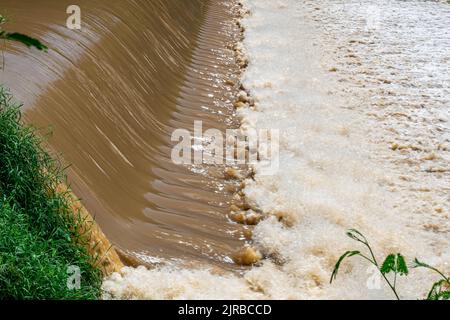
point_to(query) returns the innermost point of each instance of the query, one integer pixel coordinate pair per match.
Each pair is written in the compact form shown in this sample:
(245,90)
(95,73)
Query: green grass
(38,235)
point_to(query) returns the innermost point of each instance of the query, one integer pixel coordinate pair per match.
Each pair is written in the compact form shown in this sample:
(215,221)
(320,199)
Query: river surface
(111,94)
(358,88)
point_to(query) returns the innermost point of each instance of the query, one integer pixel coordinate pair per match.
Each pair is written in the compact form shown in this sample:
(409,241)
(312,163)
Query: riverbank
(50,248)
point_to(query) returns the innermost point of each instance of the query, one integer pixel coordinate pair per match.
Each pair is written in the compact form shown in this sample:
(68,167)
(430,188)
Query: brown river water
(111,94)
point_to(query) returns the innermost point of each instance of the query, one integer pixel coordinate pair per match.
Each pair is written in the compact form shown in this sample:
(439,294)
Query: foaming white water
(332,177)
(175,283)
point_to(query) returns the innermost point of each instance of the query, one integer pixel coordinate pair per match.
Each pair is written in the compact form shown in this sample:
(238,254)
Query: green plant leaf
(395,263)
(401,267)
(24,39)
(388,264)
(418,264)
(347,254)
(356,235)
(445,295)
(439,290)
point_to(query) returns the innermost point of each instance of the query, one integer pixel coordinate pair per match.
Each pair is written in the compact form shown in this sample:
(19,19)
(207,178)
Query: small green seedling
(395,264)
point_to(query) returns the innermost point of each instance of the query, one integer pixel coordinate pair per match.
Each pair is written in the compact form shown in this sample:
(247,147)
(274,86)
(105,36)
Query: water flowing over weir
(113,93)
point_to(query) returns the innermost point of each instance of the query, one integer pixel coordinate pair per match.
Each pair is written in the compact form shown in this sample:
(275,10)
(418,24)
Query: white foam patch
(328,181)
(170,283)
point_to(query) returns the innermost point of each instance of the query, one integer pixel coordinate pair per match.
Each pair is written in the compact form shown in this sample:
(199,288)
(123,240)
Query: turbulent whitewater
(359,90)
(363,105)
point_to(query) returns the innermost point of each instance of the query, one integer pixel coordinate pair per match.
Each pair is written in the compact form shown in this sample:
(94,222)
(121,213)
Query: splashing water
(338,168)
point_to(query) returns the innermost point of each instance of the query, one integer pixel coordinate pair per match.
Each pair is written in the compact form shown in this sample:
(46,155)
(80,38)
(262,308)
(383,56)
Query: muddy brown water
(111,95)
